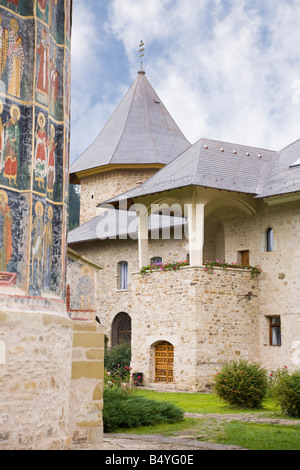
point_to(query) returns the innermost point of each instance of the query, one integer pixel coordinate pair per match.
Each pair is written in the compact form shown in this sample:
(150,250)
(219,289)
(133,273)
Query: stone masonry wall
(103,186)
(200,315)
(280,279)
(35,373)
(86,398)
(111,300)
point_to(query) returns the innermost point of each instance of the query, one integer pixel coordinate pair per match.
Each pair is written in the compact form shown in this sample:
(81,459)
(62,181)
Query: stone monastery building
(150,197)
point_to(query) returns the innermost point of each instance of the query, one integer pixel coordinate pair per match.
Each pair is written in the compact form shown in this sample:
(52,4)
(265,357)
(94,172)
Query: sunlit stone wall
(36,334)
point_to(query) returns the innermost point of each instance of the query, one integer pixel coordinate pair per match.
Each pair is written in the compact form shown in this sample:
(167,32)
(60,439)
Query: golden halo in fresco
(50,213)
(41,117)
(39,208)
(1,106)
(4,196)
(14,25)
(14,108)
(52,129)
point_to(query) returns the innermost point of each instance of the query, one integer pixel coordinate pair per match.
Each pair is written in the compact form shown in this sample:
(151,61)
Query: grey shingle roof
(213,164)
(140,131)
(114,223)
(284,174)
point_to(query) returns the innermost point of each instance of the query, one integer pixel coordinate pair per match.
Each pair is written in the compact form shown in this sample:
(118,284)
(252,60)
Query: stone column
(143,218)
(195,213)
(35,331)
(87,382)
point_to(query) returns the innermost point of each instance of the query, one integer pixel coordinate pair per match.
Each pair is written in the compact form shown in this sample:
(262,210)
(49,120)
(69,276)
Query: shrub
(117,359)
(274,378)
(242,384)
(287,393)
(123,410)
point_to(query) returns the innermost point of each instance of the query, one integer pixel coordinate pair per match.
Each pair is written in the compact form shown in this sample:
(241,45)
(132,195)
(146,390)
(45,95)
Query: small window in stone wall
(156,260)
(275,331)
(122,275)
(269,239)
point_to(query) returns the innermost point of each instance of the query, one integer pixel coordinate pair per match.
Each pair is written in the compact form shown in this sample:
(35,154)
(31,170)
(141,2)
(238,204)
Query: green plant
(273,379)
(287,393)
(123,410)
(210,265)
(242,384)
(117,359)
(163,267)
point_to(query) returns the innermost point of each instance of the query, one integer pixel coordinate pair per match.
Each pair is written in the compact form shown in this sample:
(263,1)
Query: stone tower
(35,332)
(139,138)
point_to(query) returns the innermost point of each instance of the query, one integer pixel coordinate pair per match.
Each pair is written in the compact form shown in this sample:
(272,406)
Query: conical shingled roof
(139,132)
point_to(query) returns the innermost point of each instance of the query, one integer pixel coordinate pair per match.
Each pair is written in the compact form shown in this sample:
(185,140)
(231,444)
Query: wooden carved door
(164,359)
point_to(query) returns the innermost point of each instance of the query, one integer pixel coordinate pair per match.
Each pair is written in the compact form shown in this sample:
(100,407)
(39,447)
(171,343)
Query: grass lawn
(205,403)
(251,436)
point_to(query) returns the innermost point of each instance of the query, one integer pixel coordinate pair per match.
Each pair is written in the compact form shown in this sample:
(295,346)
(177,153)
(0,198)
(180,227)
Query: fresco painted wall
(34,148)
(81,287)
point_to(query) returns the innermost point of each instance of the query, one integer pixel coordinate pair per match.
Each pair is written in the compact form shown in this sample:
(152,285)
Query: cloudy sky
(225,69)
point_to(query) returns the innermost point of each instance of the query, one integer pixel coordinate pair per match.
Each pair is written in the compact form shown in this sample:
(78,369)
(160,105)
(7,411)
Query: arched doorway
(121,329)
(164,360)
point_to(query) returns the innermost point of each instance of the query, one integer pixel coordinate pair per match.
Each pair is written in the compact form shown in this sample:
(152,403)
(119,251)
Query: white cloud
(224,69)
(224,73)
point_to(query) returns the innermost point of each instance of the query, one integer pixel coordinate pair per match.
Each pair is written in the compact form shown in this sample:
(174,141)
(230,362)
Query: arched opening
(121,329)
(214,239)
(164,362)
(156,260)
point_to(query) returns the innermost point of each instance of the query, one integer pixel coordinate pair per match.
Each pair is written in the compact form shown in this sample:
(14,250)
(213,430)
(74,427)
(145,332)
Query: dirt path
(151,442)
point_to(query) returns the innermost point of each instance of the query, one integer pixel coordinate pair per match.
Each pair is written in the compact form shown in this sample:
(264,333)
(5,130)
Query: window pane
(270,239)
(123,273)
(275,333)
(276,337)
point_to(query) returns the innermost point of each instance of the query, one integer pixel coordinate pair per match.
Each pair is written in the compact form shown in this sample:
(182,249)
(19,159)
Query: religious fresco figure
(1,136)
(42,85)
(51,162)
(37,231)
(4,35)
(48,250)
(41,151)
(42,7)
(16,60)
(6,219)
(11,145)
(13,2)
(68,90)
(54,84)
(85,289)
(52,4)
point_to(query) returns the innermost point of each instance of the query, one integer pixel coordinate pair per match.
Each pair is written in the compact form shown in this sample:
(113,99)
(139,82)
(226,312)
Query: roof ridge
(199,141)
(289,145)
(236,143)
(147,114)
(126,120)
(106,123)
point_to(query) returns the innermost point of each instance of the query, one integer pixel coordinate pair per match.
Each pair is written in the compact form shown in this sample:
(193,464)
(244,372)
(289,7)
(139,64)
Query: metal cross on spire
(141,52)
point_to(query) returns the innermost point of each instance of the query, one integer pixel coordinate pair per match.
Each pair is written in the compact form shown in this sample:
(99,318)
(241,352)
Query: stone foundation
(86,398)
(35,373)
